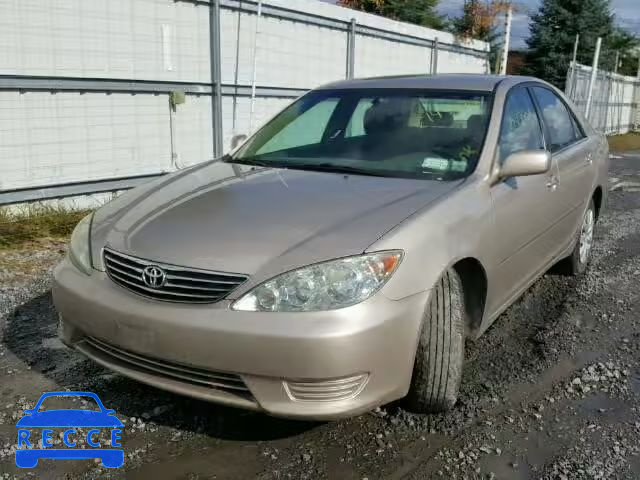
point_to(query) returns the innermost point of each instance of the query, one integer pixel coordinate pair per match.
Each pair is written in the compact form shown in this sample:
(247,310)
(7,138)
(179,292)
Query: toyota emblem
(154,277)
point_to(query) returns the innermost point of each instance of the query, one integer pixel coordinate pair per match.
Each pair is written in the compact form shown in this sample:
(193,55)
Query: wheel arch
(597,200)
(474,286)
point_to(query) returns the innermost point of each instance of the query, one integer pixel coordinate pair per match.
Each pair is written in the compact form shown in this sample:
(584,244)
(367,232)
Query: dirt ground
(551,391)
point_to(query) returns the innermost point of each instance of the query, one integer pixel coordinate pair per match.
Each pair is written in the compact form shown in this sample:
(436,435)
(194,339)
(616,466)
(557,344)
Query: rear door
(572,154)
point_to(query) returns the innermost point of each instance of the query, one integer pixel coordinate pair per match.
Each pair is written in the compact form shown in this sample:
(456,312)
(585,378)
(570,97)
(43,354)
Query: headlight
(80,245)
(324,286)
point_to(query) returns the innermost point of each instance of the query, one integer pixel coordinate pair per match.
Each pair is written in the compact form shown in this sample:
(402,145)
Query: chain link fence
(615,99)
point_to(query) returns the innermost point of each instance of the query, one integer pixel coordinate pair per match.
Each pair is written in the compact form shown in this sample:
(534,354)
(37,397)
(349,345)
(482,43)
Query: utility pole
(507,39)
(615,68)
(594,76)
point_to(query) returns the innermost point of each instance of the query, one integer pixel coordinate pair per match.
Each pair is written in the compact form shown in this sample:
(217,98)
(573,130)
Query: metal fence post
(507,39)
(575,49)
(574,66)
(252,108)
(216,77)
(636,100)
(434,56)
(605,101)
(351,49)
(594,75)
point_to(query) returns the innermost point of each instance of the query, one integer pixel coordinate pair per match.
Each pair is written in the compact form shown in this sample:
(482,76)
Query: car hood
(266,220)
(69,418)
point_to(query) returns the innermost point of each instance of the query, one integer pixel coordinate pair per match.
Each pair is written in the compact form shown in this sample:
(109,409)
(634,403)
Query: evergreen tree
(420,12)
(553,32)
(628,46)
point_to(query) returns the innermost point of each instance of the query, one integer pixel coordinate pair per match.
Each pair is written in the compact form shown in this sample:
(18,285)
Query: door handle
(589,159)
(552,183)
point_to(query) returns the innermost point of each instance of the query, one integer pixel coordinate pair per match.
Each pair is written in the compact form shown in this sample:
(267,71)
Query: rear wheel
(438,365)
(576,263)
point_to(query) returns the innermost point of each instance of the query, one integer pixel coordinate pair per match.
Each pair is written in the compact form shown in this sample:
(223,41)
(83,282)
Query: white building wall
(51,138)
(405,58)
(68,137)
(128,39)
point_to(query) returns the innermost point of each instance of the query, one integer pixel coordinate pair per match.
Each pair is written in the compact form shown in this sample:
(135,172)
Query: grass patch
(624,143)
(34,223)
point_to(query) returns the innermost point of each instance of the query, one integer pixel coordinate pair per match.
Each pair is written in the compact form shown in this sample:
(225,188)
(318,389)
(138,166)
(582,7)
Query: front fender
(456,227)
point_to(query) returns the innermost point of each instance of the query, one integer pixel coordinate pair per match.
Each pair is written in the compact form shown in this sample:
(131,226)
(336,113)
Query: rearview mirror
(237,140)
(527,162)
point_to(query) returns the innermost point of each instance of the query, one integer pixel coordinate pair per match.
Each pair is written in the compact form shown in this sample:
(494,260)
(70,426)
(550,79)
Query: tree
(420,12)
(553,32)
(628,46)
(478,21)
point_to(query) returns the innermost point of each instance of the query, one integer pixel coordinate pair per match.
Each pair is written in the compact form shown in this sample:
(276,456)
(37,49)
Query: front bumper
(293,364)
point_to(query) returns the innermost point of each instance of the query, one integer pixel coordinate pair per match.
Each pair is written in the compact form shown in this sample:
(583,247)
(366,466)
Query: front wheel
(576,263)
(437,369)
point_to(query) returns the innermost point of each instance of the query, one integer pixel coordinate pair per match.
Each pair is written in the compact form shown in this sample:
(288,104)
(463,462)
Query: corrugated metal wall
(614,108)
(85,84)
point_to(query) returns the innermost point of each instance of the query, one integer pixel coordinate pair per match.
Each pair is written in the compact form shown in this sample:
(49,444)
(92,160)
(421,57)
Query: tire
(576,263)
(437,369)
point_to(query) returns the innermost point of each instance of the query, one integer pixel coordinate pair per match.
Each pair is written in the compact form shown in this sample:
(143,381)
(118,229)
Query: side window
(557,118)
(577,128)
(307,129)
(355,127)
(520,125)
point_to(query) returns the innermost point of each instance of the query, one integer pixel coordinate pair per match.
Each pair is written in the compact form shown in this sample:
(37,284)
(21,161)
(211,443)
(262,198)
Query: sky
(627,15)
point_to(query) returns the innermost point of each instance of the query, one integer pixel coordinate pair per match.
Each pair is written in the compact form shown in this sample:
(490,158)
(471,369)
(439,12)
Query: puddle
(583,320)
(506,467)
(53,343)
(537,450)
(417,453)
(605,409)
(562,370)
(626,186)
(634,382)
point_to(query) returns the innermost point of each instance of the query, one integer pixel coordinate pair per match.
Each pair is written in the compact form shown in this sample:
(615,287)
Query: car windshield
(419,134)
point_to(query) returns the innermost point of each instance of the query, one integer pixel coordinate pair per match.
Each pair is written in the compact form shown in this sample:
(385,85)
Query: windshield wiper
(293,165)
(248,161)
(333,168)
(319,167)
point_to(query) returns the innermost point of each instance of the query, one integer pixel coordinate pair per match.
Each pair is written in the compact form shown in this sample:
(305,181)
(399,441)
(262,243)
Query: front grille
(181,284)
(331,390)
(229,382)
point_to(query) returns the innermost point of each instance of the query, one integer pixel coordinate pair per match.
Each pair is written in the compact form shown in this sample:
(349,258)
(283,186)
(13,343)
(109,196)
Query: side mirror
(237,140)
(527,162)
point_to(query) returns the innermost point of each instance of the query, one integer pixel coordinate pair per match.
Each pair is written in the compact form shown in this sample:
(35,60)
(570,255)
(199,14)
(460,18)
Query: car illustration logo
(154,276)
(26,456)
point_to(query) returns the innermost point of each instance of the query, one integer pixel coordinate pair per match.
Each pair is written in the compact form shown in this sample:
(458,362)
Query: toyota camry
(340,257)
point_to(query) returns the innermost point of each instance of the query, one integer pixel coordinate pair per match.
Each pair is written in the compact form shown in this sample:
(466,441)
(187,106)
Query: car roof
(447,81)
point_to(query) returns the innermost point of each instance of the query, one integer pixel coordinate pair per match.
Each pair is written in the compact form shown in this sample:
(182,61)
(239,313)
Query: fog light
(331,390)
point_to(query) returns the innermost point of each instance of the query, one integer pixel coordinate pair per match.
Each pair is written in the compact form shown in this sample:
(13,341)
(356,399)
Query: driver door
(525,208)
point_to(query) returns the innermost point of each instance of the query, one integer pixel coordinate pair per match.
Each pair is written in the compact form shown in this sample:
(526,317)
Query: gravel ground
(551,391)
